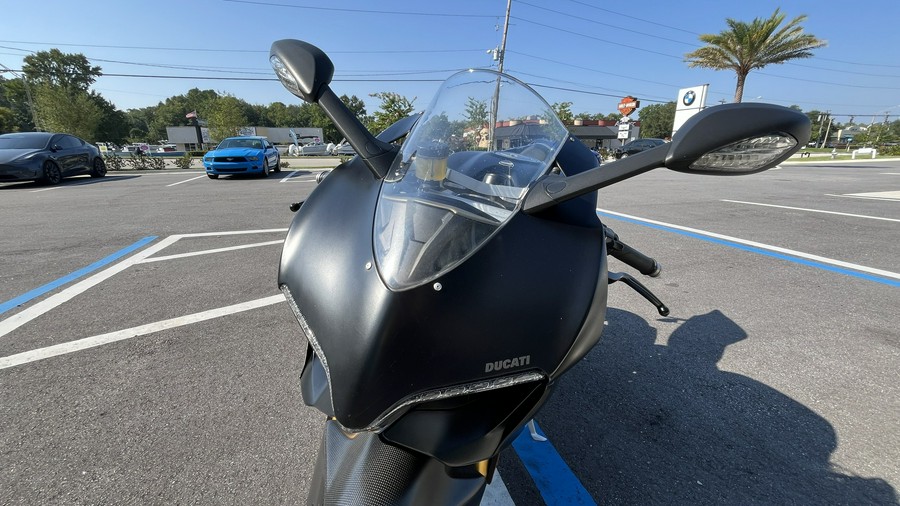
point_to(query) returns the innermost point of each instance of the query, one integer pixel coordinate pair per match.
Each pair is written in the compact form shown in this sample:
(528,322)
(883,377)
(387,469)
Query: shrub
(136,161)
(114,161)
(889,150)
(284,165)
(156,162)
(184,161)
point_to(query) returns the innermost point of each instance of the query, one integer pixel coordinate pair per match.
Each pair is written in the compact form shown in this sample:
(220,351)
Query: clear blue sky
(605,50)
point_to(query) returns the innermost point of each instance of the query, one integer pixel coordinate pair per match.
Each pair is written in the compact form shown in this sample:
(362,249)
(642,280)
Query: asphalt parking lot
(146,355)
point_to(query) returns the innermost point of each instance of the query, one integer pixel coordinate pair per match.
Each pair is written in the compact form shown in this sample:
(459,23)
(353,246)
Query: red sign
(628,105)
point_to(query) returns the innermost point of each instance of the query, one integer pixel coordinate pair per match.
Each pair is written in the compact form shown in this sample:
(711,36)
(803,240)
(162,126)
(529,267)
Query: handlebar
(621,251)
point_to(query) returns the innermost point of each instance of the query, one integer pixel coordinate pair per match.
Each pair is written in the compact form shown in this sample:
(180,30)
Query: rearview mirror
(306,71)
(730,139)
(302,68)
(735,139)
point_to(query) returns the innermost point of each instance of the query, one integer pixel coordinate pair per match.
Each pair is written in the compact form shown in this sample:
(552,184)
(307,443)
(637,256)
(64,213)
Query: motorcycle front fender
(362,469)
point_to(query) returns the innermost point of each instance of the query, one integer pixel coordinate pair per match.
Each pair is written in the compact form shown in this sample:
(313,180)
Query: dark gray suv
(636,146)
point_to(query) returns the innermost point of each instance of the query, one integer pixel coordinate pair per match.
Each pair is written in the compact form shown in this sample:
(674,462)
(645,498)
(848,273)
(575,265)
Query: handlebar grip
(621,251)
(644,264)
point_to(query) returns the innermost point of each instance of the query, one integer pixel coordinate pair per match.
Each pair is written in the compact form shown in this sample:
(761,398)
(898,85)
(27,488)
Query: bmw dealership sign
(690,101)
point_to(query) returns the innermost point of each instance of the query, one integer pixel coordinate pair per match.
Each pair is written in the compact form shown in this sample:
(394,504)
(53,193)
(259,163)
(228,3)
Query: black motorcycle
(445,283)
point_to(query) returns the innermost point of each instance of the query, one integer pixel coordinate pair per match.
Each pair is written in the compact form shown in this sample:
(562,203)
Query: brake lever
(638,287)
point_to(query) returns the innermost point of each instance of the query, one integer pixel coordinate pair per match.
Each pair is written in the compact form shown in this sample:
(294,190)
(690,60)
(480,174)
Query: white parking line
(293,175)
(861,196)
(62,187)
(234,232)
(892,195)
(141,330)
(17,320)
(759,245)
(812,210)
(290,175)
(185,181)
(210,251)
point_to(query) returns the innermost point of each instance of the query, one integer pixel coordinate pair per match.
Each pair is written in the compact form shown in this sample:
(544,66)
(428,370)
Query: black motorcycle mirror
(731,139)
(306,71)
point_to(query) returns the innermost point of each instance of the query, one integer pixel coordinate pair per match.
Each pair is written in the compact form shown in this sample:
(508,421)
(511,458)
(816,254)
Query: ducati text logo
(689,98)
(507,364)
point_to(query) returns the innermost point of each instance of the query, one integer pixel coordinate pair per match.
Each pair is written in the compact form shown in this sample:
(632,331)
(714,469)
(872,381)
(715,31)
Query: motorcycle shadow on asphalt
(645,423)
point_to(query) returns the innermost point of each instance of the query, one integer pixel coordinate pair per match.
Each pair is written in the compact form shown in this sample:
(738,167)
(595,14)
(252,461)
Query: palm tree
(744,47)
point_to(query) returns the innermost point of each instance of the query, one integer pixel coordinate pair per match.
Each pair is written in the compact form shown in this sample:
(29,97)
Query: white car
(344,148)
(313,148)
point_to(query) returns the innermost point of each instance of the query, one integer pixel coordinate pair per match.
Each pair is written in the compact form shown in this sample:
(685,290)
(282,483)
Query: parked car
(242,155)
(313,148)
(343,148)
(636,146)
(47,157)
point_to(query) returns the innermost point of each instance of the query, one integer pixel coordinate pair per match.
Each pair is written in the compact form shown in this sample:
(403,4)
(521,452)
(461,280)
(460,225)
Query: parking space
(169,373)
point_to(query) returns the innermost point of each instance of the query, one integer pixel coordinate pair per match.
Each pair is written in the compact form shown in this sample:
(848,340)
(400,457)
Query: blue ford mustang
(242,155)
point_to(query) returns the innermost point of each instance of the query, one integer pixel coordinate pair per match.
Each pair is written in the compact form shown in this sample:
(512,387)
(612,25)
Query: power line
(363,11)
(633,18)
(570,32)
(346,80)
(615,27)
(218,50)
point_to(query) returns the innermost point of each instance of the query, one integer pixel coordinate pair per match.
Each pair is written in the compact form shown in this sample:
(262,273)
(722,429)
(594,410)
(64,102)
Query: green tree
(7,120)
(748,46)
(172,111)
(284,116)
(613,116)
(394,107)
(114,124)
(356,106)
(139,121)
(71,71)
(14,96)
(563,111)
(227,117)
(62,100)
(476,113)
(657,120)
(70,111)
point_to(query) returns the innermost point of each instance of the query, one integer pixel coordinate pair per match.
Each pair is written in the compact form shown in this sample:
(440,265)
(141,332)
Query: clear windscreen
(462,173)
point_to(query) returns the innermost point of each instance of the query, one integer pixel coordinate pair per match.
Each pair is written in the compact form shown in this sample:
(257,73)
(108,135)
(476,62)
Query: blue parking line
(752,249)
(41,290)
(554,479)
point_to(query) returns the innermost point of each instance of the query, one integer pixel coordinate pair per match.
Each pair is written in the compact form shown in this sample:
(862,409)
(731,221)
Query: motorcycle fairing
(380,346)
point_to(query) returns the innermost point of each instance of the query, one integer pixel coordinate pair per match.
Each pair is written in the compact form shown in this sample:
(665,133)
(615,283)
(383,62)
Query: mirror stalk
(553,188)
(377,155)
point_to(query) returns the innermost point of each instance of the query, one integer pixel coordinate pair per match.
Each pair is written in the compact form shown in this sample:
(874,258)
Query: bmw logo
(689,97)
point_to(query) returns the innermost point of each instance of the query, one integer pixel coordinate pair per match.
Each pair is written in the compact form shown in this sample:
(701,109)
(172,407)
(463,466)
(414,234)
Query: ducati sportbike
(450,273)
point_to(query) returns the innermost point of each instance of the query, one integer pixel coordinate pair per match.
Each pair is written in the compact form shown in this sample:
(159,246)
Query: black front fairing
(528,292)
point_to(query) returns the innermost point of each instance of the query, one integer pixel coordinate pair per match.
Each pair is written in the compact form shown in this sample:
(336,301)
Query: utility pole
(495,101)
(819,134)
(503,40)
(827,131)
(884,127)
